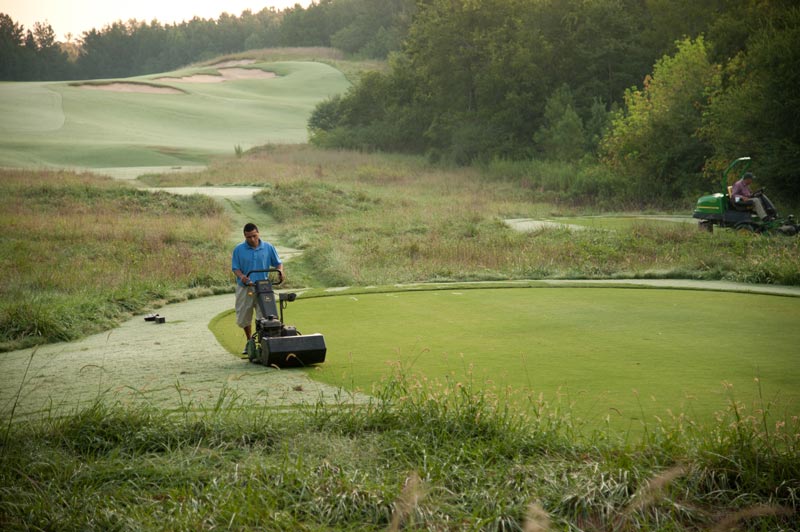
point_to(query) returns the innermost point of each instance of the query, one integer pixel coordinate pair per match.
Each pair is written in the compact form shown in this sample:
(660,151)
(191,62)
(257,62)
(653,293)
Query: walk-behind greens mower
(720,209)
(276,344)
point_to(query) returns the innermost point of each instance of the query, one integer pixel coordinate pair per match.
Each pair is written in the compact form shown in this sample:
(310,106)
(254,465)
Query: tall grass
(380,219)
(422,456)
(375,219)
(79,252)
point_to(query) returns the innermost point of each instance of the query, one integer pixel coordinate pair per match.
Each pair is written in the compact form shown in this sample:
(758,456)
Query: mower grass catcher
(719,209)
(276,344)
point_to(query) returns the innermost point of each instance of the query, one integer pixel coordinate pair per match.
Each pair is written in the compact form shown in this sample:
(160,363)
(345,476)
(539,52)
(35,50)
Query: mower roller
(721,210)
(276,344)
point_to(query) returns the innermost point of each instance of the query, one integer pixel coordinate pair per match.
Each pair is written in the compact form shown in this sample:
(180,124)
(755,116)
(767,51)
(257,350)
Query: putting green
(623,354)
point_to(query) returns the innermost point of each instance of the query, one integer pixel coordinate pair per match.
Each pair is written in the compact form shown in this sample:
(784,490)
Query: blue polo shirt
(246,259)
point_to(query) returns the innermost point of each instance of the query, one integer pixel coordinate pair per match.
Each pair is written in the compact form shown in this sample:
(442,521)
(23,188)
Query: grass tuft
(421,455)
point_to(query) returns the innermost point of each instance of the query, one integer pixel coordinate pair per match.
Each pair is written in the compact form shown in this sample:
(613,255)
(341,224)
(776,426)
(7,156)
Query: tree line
(365,28)
(646,100)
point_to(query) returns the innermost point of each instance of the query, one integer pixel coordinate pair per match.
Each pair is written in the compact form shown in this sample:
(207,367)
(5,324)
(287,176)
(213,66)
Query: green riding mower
(721,210)
(276,344)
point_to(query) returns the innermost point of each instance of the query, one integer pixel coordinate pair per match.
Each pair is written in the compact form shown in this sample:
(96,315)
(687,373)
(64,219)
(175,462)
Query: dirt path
(243,208)
(169,365)
(530,224)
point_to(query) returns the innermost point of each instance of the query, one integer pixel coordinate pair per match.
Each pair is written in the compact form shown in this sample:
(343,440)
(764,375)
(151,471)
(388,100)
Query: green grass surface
(627,355)
(66,125)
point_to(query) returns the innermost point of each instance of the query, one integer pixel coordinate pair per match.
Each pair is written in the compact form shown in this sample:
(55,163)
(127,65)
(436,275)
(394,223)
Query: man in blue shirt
(252,254)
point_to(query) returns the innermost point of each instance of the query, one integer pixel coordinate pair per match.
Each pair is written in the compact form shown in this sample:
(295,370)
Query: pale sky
(77,16)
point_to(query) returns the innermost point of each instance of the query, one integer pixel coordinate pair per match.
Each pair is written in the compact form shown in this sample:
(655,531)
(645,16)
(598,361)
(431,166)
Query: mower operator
(742,195)
(252,254)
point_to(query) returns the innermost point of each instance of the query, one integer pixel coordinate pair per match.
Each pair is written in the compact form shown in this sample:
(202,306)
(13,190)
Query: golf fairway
(621,355)
(80,125)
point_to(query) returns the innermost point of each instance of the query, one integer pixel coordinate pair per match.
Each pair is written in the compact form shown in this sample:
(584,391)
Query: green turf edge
(554,283)
(233,343)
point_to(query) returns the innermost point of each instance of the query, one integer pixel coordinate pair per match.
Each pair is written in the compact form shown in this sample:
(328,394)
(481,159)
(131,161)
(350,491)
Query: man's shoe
(244,351)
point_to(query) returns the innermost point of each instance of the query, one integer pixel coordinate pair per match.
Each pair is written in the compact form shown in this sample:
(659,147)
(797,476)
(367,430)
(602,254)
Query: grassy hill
(135,122)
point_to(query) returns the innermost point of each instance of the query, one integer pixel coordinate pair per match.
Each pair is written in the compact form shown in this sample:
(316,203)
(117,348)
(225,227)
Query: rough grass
(80,252)
(371,219)
(421,456)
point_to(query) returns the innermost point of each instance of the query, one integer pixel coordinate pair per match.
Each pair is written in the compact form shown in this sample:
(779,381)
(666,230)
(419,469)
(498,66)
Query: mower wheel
(252,350)
(745,228)
(706,225)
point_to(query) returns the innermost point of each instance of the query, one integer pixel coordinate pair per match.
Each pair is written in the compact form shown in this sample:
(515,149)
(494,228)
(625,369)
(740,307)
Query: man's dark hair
(250,227)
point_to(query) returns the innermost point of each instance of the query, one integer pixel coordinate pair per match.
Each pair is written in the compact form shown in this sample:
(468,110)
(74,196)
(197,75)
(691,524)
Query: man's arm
(237,268)
(242,277)
(739,190)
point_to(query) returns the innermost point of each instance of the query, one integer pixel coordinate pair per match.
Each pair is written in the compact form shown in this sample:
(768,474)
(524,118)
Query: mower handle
(270,270)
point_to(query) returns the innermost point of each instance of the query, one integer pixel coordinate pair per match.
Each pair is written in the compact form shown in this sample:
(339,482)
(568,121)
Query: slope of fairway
(68,125)
(625,354)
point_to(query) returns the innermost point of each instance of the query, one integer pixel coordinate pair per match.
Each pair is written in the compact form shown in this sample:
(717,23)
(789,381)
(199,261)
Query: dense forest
(645,101)
(641,101)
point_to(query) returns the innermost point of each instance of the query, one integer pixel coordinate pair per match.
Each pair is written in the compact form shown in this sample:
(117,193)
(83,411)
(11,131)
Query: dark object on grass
(151,317)
(276,344)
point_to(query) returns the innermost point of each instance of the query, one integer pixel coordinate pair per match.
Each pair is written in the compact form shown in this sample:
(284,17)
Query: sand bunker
(225,74)
(132,87)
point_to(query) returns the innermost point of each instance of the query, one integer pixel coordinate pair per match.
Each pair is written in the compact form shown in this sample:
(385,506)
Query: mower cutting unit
(719,209)
(276,344)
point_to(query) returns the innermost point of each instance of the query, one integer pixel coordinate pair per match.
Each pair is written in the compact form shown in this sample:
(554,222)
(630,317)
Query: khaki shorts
(245,304)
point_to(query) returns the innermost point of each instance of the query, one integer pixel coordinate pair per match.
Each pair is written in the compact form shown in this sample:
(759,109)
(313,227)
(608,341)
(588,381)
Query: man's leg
(769,208)
(253,306)
(759,207)
(244,309)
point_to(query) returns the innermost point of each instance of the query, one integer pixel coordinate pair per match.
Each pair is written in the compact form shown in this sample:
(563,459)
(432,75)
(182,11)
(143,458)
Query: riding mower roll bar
(747,162)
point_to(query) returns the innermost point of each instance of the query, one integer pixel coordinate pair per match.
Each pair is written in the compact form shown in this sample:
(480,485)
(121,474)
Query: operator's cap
(748,175)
